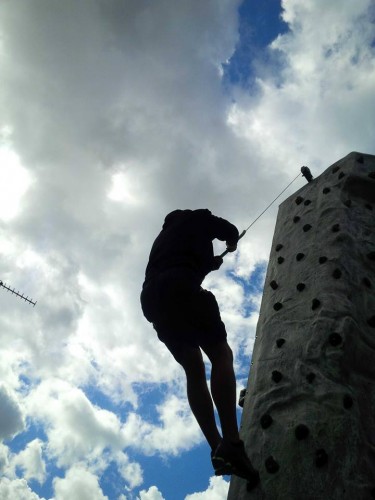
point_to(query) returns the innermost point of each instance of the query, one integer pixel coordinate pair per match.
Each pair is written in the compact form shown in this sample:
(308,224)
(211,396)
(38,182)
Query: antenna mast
(20,295)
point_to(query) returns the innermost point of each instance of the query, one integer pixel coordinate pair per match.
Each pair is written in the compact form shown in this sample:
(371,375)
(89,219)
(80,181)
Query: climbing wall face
(309,412)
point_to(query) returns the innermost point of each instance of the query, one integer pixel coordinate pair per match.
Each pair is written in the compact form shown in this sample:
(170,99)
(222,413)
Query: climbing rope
(305,173)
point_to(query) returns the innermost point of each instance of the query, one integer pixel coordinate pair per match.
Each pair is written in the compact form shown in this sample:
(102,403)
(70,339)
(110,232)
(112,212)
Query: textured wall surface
(309,415)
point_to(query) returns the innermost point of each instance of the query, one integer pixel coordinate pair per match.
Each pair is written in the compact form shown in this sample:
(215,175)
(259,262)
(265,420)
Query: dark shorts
(182,312)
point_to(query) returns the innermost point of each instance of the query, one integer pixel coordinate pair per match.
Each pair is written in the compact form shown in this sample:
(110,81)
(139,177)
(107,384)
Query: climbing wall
(309,411)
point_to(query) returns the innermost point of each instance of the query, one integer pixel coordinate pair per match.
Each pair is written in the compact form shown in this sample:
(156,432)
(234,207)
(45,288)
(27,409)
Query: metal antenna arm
(20,295)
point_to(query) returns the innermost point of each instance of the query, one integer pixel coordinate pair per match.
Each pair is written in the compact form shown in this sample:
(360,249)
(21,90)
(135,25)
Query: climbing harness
(20,295)
(305,173)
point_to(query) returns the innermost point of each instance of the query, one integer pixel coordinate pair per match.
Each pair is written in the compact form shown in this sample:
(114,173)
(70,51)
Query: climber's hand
(231,247)
(217,262)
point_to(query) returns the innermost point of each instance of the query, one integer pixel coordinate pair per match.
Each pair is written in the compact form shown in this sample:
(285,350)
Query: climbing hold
(296,219)
(301,287)
(341,175)
(321,458)
(360,159)
(347,401)
(299,200)
(366,282)
(271,465)
(336,228)
(301,432)
(310,377)
(371,255)
(337,274)
(335,339)
(372,175)
(266,421)
(278,247)
(307,202)
(306,227)
(252,483)
(280,342)
(274,285)
(371,322)
(322,260)
(276,376)
(348,203)
(300,256)
(326,190)
(368,206)
(315,304)
(335,169)
(280,260)
(241,399)
(277,306)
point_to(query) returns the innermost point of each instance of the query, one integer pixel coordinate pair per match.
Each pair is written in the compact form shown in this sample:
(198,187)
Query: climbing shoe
(231,458)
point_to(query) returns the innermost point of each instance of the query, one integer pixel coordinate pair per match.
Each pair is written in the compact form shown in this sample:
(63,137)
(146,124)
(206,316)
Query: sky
(112,114)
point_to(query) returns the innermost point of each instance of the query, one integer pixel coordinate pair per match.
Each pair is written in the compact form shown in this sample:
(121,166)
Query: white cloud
(11,415)
(31,462)
(232,301)
(78,484)
(176,430)
(93,123)
(14,182)
(130,471)
(151,494)
(126,187)
(79,432)
(319,107)
(76,429)
(217,490)
(16,489)
(4,451)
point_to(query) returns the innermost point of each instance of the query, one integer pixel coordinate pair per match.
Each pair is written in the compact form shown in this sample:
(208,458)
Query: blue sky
(113,114)
(259,23)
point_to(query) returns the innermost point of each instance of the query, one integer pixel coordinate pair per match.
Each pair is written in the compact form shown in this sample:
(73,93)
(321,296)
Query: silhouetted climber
(187,319)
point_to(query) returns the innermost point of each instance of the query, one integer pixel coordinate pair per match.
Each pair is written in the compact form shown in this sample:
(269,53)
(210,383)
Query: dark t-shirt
(186,242)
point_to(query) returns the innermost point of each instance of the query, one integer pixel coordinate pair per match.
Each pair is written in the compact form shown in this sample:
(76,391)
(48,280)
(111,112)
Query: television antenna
(18,294)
